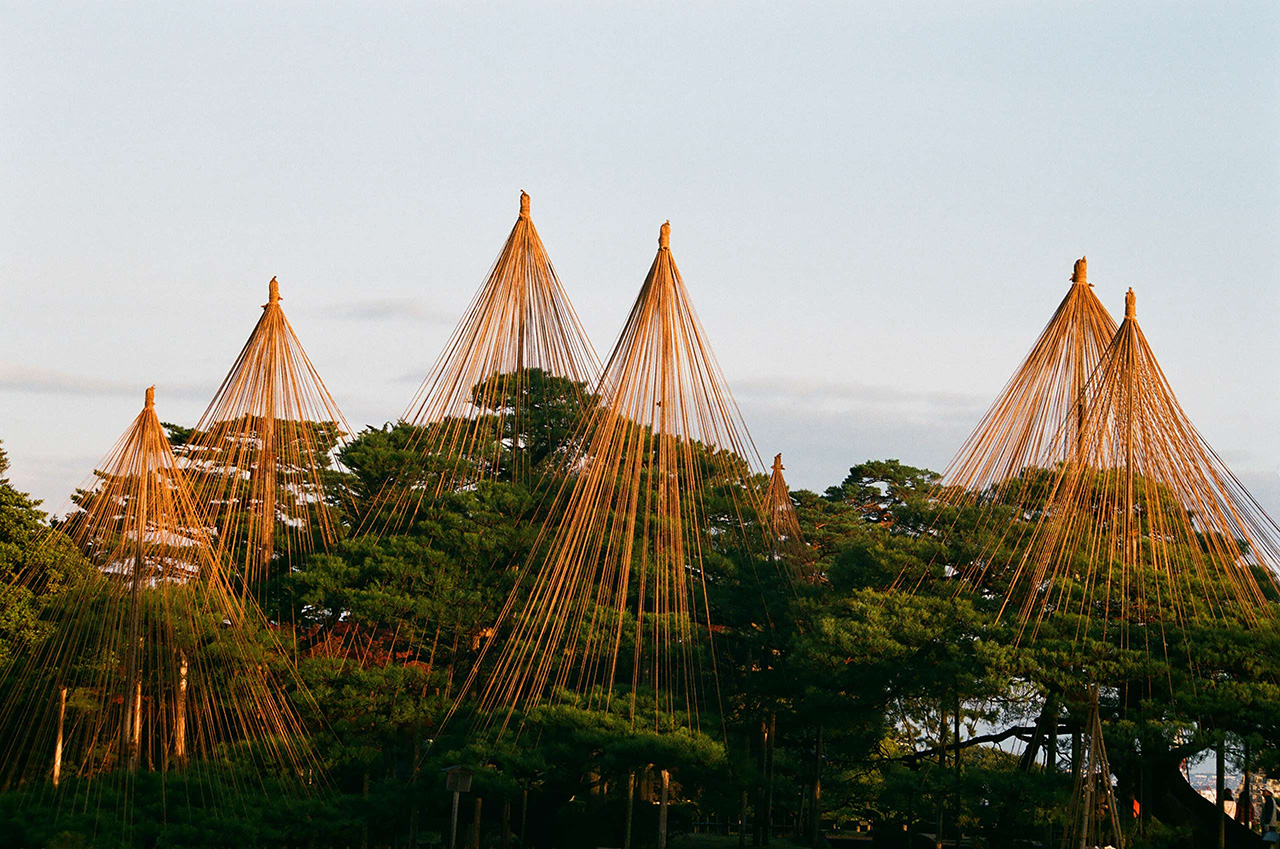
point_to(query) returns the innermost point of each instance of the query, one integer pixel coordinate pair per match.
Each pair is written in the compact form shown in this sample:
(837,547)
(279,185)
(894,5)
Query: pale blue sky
(875,206)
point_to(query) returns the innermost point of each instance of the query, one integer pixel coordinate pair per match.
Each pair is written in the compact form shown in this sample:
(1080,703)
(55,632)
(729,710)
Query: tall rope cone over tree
(1148,529)
(519,334)
(1024,427)
(143,658)
(664,484)
(261,458)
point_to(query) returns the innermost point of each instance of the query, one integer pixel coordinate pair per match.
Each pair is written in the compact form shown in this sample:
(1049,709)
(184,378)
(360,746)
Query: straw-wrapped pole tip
(273,292)
(664,236)
(777,463)
(524,204)
(1130,304)
(151,397)
(1079,274)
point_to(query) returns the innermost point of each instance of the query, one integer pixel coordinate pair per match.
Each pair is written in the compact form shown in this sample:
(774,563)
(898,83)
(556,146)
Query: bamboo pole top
(1130,304)
(524,204)
(777,463)
(664,236)
(150,398)
(273,292)
(1079,274)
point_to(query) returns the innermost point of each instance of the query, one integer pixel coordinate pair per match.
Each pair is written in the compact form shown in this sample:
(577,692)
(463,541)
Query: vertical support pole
(57,746)
(942,769)
(506,823)
(768,778)
(631,803)
(955,806)
(815,800)
(180,712)
(136,734)
(475,829)
(133,680)
(453,823)
(364,833)
(742,821)
(524,815)
(1245,814)
(1221,786)
(662,810)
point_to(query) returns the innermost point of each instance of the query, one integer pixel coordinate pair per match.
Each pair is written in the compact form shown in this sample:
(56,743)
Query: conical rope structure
(262,454)
(784,524)
(1035,423)
(1023,428)
(619,591)
(1149,526)
(143,659)
(1092,817)
(473,406)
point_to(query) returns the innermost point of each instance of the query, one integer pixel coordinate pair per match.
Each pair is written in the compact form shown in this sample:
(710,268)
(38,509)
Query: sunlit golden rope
(519,323)
(147,660)
(259,457)
(621,592)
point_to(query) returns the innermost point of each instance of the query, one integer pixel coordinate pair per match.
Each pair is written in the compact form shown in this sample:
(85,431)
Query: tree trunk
(506,823)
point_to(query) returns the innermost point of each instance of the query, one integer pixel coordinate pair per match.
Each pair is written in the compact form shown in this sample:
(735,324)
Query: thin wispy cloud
(38,380)
(390,309)
(883,402)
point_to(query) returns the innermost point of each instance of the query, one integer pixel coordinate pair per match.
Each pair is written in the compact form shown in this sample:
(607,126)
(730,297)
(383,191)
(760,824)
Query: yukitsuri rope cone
(1149,526)
(784,524)
(259,458)
(620,593)
(519,330)
(144,660)
(1024,426)
(1092,816)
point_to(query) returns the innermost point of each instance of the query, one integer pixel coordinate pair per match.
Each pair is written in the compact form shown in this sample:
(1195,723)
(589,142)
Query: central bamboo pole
(57,746)
(180,712)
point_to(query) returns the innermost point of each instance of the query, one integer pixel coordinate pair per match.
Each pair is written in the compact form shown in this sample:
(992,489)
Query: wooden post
(128,747)
(815,800)
(768,779)
(1221,788)
(742,821)
(135,737)
(475,830)
(955,807)
(631,801)
(1245,814)
(942,768)
(662,810)
(506,822)
(453,823)
(180,712)
(524,815)
(57,746)
(364,834)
